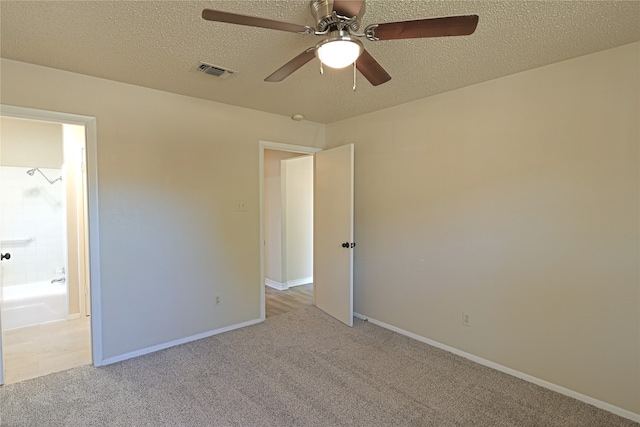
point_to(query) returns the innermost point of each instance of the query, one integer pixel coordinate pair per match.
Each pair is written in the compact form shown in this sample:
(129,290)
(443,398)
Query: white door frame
(267,145)
(91,136)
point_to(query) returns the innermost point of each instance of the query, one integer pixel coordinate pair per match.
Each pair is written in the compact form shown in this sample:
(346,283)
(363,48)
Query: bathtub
(33,303)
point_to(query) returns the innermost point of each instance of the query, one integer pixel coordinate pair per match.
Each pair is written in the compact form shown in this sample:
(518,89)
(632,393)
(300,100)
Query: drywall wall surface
(273,215)
(170,169)
(298,207)
(516,201)
(30,144)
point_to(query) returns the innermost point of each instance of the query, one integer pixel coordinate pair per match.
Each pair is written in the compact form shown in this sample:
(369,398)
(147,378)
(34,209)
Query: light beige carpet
(298,369)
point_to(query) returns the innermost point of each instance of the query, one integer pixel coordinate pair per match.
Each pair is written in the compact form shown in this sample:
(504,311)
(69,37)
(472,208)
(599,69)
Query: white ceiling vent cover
(214,70)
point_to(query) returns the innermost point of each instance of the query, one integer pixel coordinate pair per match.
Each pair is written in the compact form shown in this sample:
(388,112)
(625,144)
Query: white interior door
(1,352)
(2,260)
(333,233)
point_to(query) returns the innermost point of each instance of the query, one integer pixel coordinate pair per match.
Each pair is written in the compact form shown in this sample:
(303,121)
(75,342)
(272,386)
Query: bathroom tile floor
(39,350)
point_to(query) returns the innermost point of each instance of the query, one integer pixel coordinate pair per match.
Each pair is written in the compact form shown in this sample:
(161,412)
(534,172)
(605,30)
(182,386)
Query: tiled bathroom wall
(32,225)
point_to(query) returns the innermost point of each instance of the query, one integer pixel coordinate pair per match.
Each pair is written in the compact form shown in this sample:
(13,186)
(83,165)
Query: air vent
(214,70)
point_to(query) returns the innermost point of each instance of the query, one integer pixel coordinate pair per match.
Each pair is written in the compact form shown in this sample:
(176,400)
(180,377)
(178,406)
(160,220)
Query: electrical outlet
(216,300)
(466,319)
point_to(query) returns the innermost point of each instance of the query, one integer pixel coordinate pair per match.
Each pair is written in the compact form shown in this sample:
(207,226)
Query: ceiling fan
(338,21)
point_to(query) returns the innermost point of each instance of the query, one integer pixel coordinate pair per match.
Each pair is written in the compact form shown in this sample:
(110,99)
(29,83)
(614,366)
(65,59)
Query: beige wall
(273,214)
(297,175)
(515,200)
(170,168)
(30,144)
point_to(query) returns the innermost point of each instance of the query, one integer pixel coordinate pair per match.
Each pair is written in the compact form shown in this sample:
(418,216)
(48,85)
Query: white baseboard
(542,383)
(298,282)
(276,285)
(158,347)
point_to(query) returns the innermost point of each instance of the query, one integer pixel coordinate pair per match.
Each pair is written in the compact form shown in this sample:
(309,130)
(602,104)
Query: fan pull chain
(354,76)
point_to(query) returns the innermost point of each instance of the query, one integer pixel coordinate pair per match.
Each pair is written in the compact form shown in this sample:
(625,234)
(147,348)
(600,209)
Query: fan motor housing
(322,12)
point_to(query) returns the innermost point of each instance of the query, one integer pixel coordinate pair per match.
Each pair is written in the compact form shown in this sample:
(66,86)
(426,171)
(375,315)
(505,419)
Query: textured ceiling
(159,44)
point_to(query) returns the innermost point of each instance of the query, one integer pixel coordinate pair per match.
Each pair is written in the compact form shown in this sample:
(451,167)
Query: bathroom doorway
(43,225)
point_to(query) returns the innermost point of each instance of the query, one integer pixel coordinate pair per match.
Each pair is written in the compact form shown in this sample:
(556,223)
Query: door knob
(345,245)
(5,256)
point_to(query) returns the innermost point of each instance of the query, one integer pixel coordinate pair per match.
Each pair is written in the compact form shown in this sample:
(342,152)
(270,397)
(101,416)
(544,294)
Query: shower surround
(32,229)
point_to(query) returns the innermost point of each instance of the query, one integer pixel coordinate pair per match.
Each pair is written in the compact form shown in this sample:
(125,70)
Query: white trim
(91,141)
(276,285)
(289,284)
(283,223)
(304,149)
(299,282)
(542,383)
(166,345)
(262,145)
(43,115)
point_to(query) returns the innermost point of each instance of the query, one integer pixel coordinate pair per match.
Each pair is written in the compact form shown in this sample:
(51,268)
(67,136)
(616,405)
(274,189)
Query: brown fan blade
(287,69)
(348,8)
(370,68)
(252,21)
(430,27)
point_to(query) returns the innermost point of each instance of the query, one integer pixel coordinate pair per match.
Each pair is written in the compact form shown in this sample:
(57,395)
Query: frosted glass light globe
(339,53)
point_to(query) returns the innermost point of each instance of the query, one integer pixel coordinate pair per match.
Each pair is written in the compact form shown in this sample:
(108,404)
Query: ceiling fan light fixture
(339,52)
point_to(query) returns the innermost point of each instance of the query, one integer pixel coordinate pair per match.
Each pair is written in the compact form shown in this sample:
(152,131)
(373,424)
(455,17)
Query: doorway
(286,200)
(45,229)
(333,225)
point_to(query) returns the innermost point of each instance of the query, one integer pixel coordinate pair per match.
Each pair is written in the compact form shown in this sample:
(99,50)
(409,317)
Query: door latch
(5,256)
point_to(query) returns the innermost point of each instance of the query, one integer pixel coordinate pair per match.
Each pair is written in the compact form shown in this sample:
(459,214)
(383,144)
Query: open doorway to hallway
(288,231)
(43,225)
